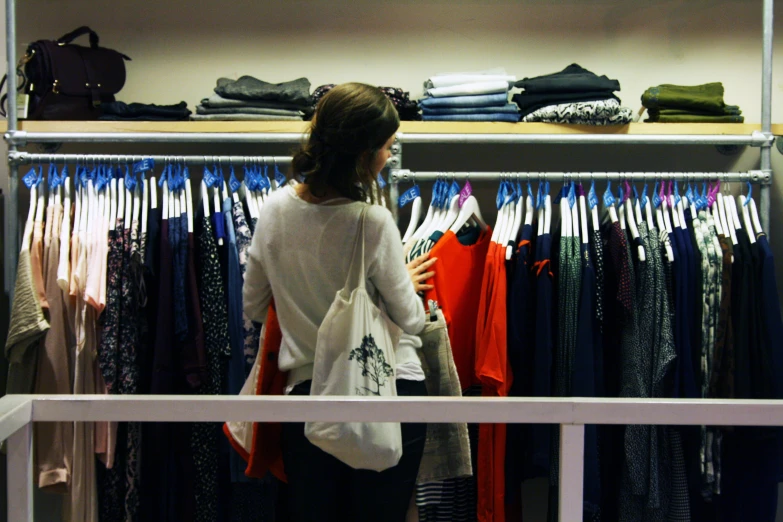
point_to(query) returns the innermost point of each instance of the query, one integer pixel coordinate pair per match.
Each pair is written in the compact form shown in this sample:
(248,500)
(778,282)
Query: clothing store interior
(507,206)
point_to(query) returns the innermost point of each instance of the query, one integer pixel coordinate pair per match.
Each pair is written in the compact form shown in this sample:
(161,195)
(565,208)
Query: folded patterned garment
(249,110)
(467,89)
(695,118)
(603,112)
(529,103)
(703,98)
(447,80)
(406,108)
(508,108)
(487,116)
(243,117)
(571,79)
(480,100)
(249,88)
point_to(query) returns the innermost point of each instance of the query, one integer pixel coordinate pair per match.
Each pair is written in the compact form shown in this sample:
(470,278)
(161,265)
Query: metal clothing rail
(18,412)
(22,138)
(26,158)
(753,176)
(755,139)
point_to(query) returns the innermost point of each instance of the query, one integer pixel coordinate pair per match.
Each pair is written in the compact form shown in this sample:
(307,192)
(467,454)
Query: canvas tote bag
(354,356)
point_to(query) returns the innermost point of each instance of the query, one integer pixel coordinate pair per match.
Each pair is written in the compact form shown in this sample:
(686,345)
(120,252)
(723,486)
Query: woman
(301,256)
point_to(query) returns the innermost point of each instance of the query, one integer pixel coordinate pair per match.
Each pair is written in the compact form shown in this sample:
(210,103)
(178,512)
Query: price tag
(453,190)
(29,178)
(409,195)
(143,165)
(571,195)
(592,197)
(233,182)
(209,178)
(644,197)
(656,198)
(279,177)
(381,182)
(608,197)
(465,193)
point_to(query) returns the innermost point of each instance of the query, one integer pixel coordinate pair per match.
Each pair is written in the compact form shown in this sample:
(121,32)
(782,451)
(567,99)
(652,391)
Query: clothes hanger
(40,206)
(30,180)
(754,229)
(566,222)
(165,185)
(453,209)
(726,200)
(632,211)
(540,207)
(130,185)
(667,221)
(744,202)
(648,209)
(592,202)
(547,209)
(413,195)
(659,201)
(113,202)
(77,201)
(427,218)
(516,224)
(621,208)
(470,210)
(188,198)
(583,214)
(673,202)
(499,220)
(609,202)
(204,193)
(529,206)
(145,203)
(720,228)
(234,185)
(573,207)
(250,201)
(63,279)
(754,216)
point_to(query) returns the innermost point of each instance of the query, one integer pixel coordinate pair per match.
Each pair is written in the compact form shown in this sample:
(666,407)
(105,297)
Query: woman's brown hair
(351,123)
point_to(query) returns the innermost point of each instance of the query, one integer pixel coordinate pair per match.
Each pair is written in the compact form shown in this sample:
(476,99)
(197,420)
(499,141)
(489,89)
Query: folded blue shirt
(497,116)
(481,100)
(509,108)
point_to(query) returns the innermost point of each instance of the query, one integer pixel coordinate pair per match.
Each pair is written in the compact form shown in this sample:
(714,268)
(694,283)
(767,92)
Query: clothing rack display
(26,158)
(408,176)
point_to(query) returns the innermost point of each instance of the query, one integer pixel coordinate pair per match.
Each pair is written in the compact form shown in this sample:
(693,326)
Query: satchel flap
(81,71)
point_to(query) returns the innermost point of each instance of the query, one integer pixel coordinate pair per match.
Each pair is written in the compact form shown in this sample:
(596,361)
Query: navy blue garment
(584,383)
(236,365)
(486,116)
(772,326)
(521,325)
(542,380)
(682,318)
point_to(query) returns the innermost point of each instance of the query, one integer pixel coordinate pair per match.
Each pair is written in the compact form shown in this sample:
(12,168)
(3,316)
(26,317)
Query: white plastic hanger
(189,204)
(63,279)
(136,204)
(541,212)
(165,211)
(415,215)
(77,206)
(153,193)
(529,208)
(250,201)
(754,215)
(566,223)
(547,212)
(205,198)
(746,219)
(470,211)
(128,208)
(516,224)
(419,232)
(113,204)
(585,235)
(40,206)
(28,226)
(633,213)
(145,205)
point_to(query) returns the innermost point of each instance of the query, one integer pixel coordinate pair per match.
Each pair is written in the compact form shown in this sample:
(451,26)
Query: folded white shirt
(464,89)
(459,79)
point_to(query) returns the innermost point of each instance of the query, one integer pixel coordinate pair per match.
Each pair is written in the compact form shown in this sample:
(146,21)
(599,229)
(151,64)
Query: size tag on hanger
(677,197)
(465,193)
(645,200)
(571,195)
(143,165)
(279,177)
(749,196)
(592,197)
(409,195)
(30,178)
(453,190)
(233,182)
(608,197)
(381,182)
(263,182)
(656,198)
(209,178)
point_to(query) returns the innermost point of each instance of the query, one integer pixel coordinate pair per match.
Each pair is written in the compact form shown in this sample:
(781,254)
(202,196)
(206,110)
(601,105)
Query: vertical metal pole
(11,225)
(395,162)
(20,475)
(766,106)
(572,461)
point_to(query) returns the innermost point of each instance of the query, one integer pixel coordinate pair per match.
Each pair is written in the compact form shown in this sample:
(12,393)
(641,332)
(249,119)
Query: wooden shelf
(406,126)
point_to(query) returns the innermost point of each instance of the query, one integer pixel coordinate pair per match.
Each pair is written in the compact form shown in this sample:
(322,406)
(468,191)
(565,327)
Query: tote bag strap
(356,274)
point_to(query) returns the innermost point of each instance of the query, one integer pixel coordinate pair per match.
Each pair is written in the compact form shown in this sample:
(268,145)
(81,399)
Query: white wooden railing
(18,412)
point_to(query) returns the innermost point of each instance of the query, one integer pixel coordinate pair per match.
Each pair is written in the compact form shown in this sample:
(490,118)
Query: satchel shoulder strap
(76,33)
(356,271)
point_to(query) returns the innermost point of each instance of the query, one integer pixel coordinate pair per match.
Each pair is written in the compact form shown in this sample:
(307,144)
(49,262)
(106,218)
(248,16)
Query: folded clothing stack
(573,95)
(406,108)
(120,111)
(683,104)
(251,99)
(477,96)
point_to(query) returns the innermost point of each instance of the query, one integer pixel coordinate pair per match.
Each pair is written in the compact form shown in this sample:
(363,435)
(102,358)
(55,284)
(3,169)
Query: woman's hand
(418,271)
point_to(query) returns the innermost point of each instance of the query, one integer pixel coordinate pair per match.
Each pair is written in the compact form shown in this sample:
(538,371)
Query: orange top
(494,372)
(459,271)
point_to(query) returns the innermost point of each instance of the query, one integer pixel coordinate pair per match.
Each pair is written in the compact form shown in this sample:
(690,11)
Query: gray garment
(249,88)
(646,493)
(243,117)
(447,447)
(200,109)
(216,101)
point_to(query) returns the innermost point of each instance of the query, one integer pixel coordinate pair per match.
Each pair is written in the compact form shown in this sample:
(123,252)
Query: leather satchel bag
(66,81)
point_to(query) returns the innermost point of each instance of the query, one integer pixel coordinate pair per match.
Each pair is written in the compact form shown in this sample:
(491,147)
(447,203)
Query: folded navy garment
(508,108)
(530,103)
(481,100)
(249,88)
(497,116)
(144,111)
(571,79)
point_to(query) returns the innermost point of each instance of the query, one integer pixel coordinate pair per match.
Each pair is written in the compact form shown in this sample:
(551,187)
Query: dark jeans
(324,489)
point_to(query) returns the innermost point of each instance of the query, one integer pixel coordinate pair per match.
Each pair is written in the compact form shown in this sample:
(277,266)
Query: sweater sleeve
(256,292)
(387,271)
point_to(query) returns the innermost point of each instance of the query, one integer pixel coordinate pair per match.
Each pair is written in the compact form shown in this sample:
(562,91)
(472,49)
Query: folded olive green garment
(728,110)
(695,118)
(704,98)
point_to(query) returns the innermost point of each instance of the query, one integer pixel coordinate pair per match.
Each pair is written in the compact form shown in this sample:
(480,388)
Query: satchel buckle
(56,87)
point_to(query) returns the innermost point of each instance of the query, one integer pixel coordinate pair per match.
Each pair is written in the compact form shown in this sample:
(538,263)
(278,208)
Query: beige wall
(179,48)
